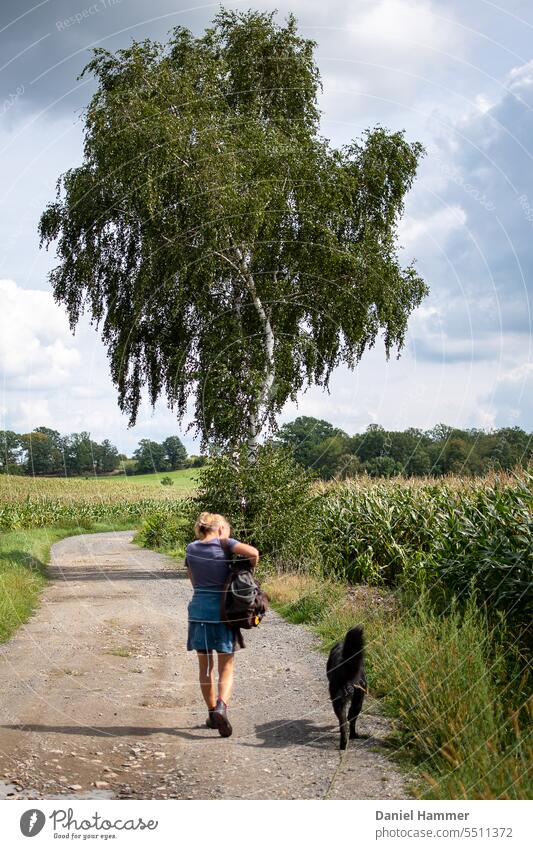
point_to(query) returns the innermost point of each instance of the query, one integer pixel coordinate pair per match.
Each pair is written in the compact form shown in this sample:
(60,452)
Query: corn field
(441,537)
(44,502)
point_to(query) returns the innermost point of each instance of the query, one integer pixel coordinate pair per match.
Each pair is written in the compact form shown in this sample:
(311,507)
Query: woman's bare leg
(225,676)
(207,681)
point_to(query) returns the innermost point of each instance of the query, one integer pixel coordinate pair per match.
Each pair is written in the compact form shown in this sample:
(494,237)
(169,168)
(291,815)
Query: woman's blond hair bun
(207,522)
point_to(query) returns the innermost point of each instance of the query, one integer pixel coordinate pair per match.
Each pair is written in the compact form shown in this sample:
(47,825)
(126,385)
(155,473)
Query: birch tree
(229,253)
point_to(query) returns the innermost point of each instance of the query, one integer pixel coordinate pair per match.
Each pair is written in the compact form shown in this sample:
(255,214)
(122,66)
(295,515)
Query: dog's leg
(340,706)
(355,710)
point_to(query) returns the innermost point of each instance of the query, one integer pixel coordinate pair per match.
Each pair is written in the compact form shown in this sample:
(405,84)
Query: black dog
(347,681)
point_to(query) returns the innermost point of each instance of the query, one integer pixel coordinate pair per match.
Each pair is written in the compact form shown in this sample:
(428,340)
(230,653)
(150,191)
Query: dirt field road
(99,697)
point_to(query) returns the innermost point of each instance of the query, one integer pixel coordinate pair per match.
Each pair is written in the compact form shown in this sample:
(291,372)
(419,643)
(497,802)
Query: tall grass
(21,581)
(445,678)
(461,707)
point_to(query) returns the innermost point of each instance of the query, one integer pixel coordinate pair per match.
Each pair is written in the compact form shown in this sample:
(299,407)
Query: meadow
(27,502)
(183,480)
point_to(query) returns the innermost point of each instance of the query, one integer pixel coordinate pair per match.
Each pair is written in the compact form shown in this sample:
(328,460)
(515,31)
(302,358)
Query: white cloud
(409,392)
(32,411)
(400,25)
(437,226)
(483,103)
(50,377)
(512,399)
(521,77)
(36,346)
(31,158)
(378,25)
(379,61)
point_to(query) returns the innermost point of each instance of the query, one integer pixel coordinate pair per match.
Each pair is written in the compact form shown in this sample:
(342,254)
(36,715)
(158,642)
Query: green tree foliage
(106,457)
(85,456)
(267,500)
(230,254)
(315,443)
(175,453)
(383,466)
(44,452)
(79,453)
(150,457)
(10,448)
(372,445)
(196,461)
(48,453)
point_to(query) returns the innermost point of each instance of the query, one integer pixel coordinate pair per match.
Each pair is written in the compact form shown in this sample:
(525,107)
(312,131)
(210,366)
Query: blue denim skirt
(206,631)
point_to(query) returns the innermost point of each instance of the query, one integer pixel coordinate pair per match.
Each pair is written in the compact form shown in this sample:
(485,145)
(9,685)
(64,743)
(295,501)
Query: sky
(456,76)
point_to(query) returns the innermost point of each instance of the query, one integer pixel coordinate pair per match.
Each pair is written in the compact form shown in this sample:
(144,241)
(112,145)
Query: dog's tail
(353,652)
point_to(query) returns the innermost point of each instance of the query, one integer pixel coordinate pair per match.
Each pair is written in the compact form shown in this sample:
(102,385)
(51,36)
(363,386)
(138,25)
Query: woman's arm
(247,551)
(189,573)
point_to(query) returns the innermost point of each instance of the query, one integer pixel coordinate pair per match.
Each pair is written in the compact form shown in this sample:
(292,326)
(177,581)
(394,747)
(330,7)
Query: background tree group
(314,443)
(166,456)
(46,452)
(318,445)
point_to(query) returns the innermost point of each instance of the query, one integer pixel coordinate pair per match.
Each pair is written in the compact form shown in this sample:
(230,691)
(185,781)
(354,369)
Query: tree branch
(229,261)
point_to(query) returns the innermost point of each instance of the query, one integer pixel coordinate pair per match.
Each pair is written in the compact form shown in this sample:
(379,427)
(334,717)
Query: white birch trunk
(256,420)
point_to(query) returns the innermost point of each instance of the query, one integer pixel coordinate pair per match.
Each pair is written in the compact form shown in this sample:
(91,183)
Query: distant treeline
(46,452)
(316,444)
(330,452)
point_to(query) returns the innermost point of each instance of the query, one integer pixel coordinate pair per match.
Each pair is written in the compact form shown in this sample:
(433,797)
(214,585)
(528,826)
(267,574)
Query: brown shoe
(220,718)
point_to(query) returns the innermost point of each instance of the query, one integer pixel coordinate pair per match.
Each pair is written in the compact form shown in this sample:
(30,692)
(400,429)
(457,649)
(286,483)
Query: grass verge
(457,691)
(23,556)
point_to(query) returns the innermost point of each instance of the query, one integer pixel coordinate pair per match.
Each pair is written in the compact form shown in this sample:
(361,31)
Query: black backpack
(243,603)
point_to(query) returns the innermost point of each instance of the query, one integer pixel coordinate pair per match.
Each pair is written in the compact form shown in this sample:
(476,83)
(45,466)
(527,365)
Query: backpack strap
(235,561)
(227,551)
(238,641)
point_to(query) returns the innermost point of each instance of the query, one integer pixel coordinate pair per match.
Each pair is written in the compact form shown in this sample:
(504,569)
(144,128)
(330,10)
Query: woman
(207,565)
